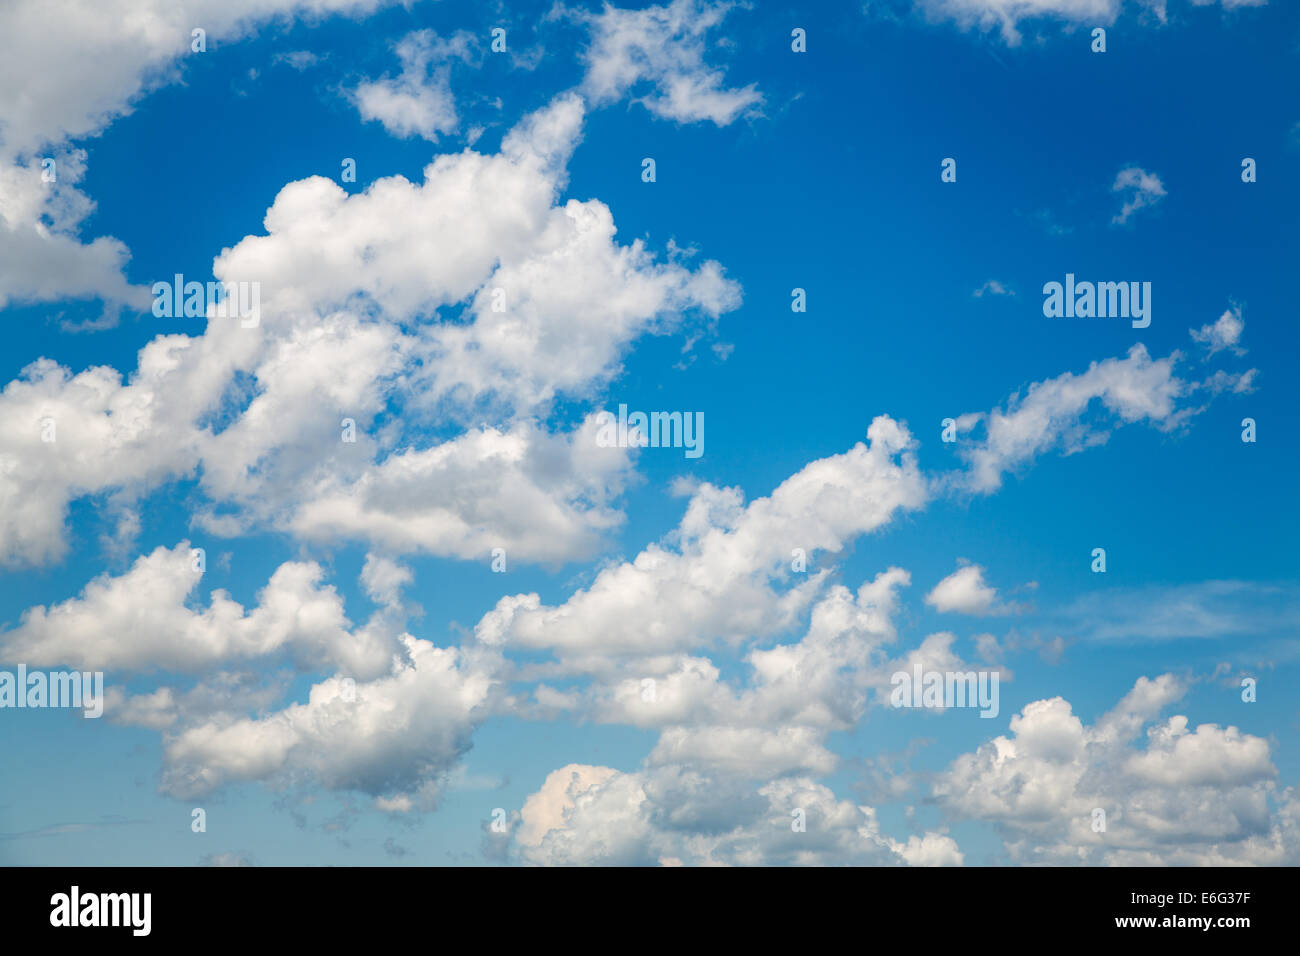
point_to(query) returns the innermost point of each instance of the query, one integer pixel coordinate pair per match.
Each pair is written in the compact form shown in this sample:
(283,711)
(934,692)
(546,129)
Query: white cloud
(1191,797)
(1051,413)
(39,222)
(717,582)
(1210,755)
(538,496)
(1059,413)
(383,579)
(992,287)
(109,53)
(568,310)
(351,286)
(663,47)
(142,621)
(67,435)
(76,78)
(597,816)
(256,413)
(1007,15)
(780,721)
(811,687)
(393,737)
(1142,190)
(419,101)
(392,721)
(300,60)
(355,292)
(156,710)
(721,576)
(545,810)
(964,592)
(1222,334)
(237,688)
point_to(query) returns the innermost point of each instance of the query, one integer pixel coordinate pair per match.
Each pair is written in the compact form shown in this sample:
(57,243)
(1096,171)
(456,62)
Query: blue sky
(775,170)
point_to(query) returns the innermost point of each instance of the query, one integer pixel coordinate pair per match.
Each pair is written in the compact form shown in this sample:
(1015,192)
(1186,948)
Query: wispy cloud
(993,287)
(64,829)
(1200,610)
(1141,190)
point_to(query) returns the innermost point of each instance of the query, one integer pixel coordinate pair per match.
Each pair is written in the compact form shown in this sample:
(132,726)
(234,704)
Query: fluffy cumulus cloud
(395,737)
(419,101)
(391,721)
(964,592)
(461,296)
(69,435)
(41,212)
(398,713)
(732,778)
(1060,791)
(108,54)
(720,575)
(707,792)
(585,815)
(142,620)
(259,412)
(111,52)
(537,496)
(361,298)
(424,379)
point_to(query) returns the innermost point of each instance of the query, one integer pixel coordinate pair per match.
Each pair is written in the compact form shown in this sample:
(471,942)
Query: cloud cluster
(391,721)
(1063,792)
(584,815)
(395,737)
(352,288)
(727,576)
(109,53)
(400,391)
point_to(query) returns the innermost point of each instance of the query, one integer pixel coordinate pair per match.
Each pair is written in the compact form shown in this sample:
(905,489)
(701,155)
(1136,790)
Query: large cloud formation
(414,340)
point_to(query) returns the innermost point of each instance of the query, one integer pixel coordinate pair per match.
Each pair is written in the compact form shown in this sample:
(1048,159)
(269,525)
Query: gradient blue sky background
(832,185)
